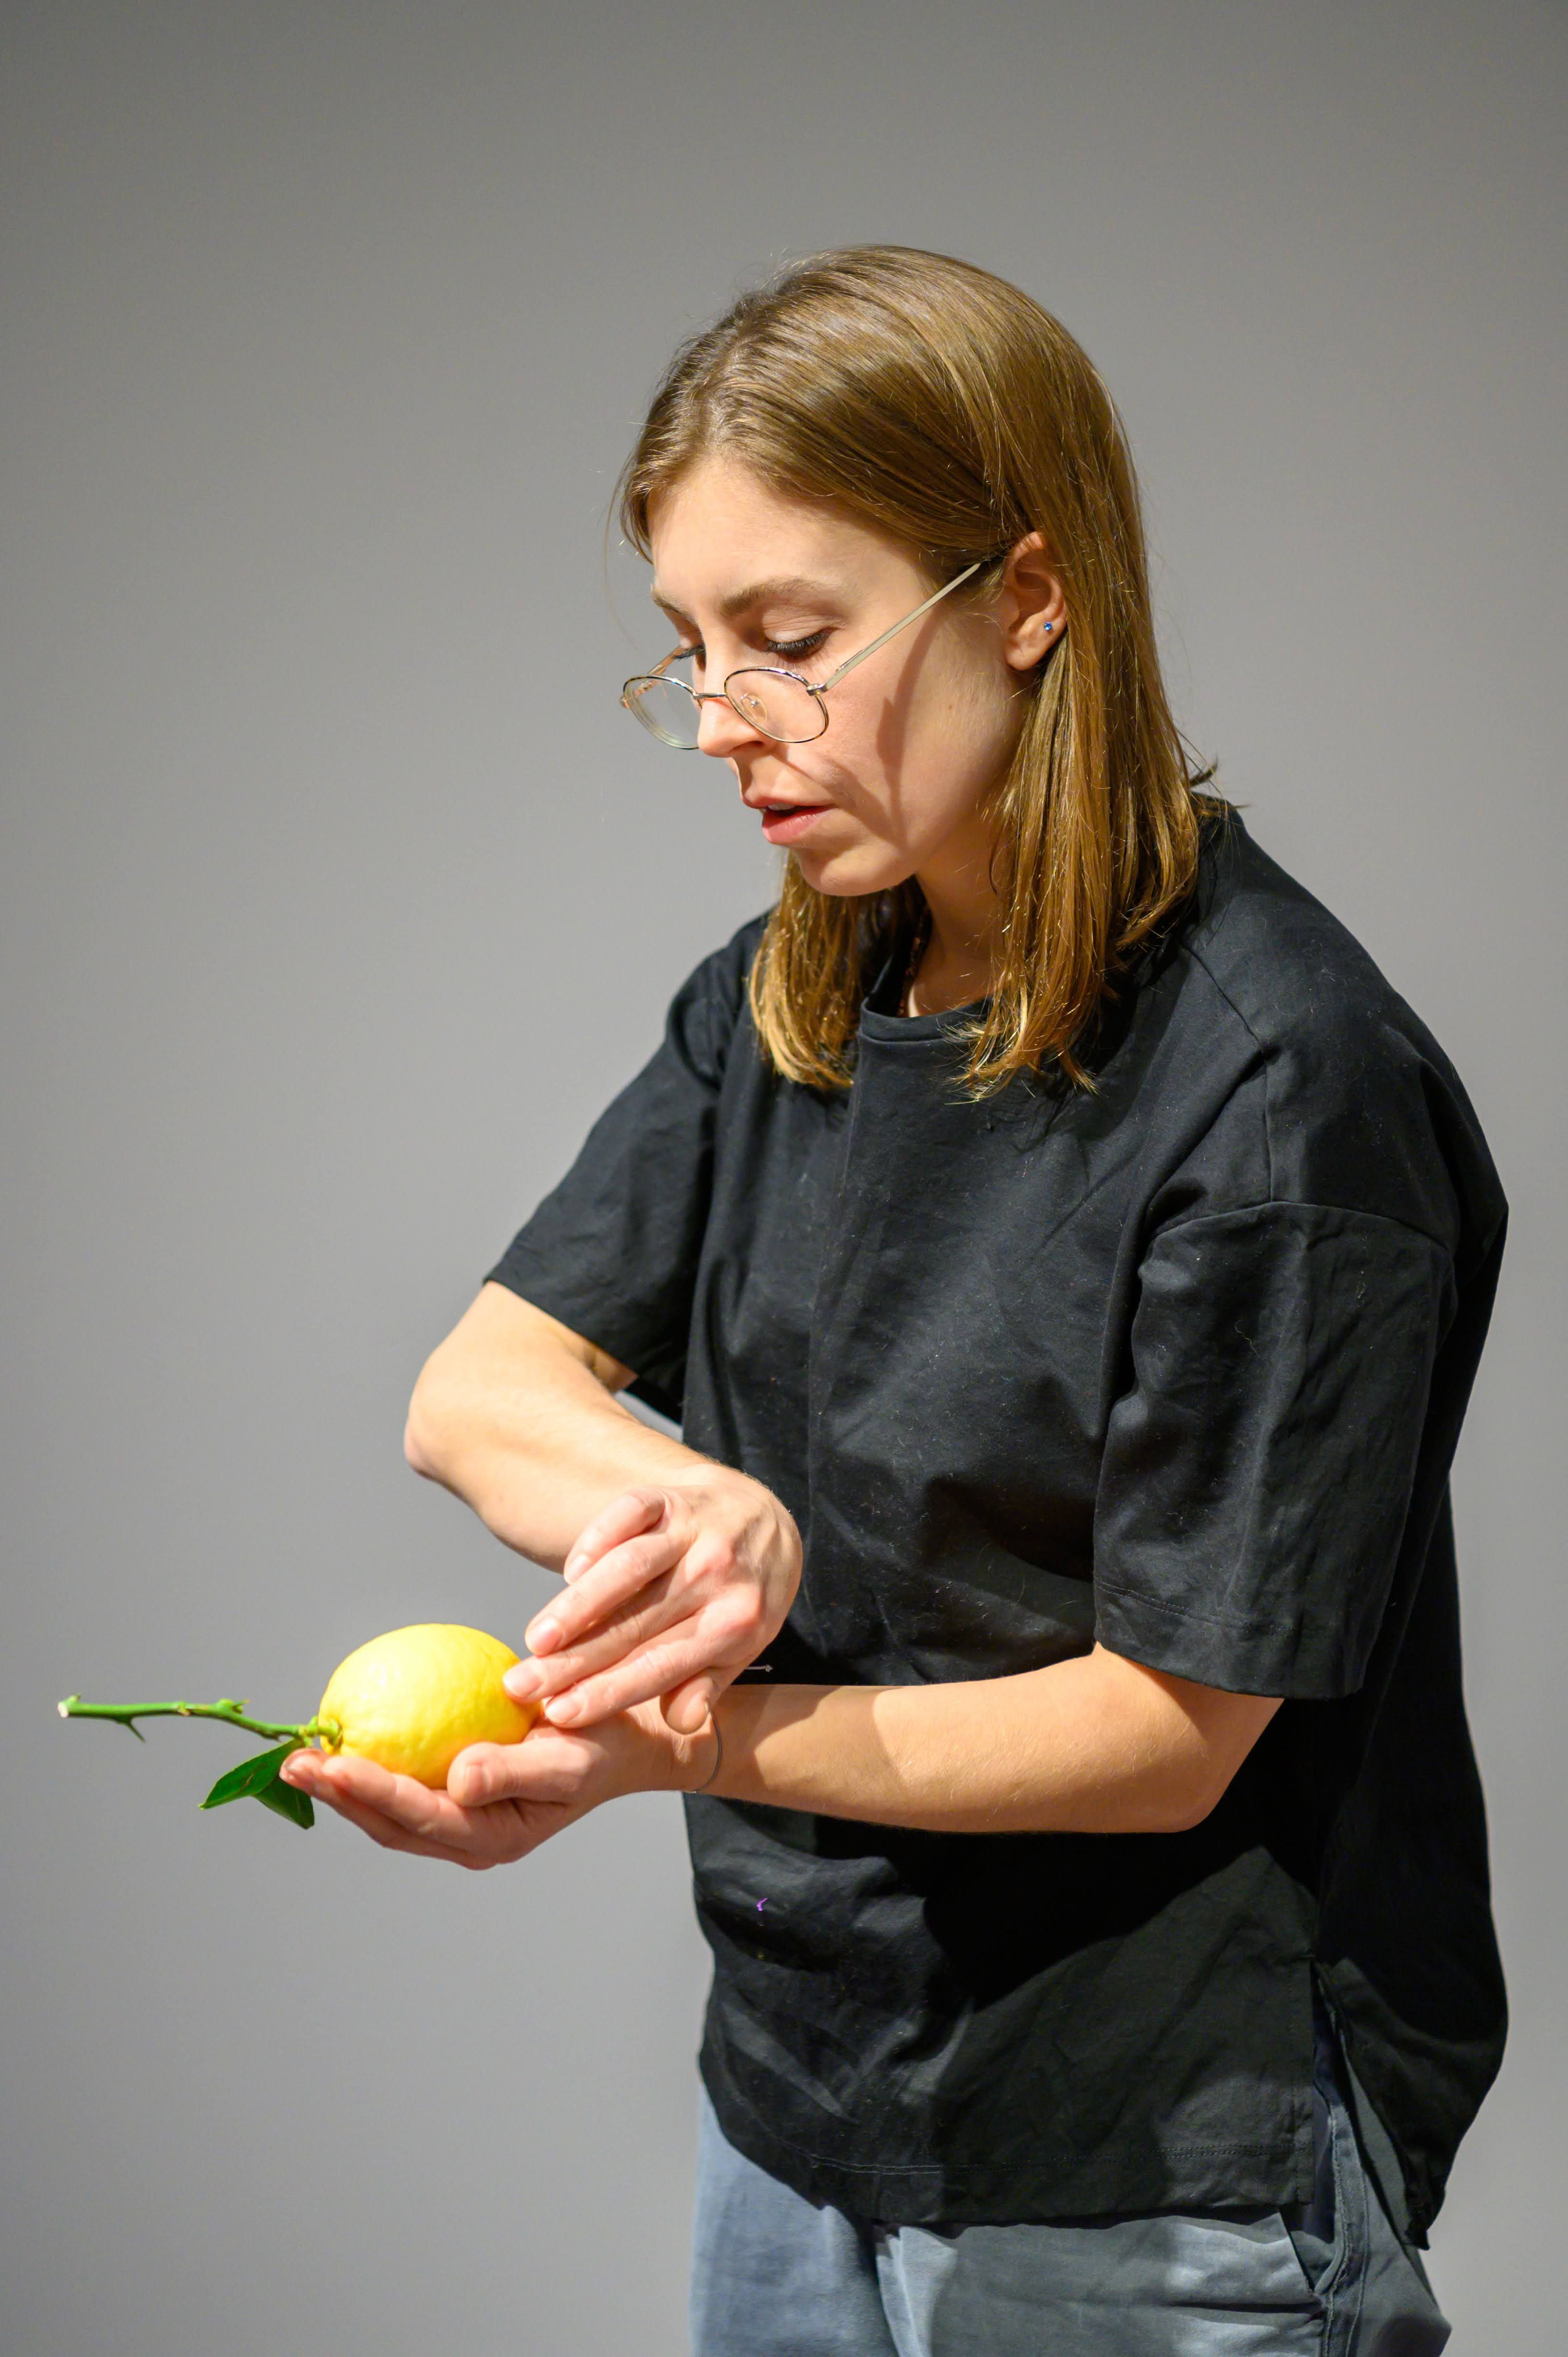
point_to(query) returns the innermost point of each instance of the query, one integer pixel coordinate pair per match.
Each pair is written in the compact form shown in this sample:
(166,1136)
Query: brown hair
(947,408)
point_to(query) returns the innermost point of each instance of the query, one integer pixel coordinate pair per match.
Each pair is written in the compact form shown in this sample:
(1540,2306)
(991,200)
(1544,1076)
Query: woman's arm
(1098,1745)
(515,1415)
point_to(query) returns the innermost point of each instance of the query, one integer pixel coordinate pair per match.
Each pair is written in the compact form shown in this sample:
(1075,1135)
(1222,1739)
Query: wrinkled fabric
(1176,1364)
(774,2277)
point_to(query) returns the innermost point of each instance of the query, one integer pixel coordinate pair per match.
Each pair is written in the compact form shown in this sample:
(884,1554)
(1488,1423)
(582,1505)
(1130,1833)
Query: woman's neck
(957,965)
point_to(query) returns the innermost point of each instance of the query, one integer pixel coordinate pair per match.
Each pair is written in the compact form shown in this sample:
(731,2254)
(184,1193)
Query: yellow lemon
(414,1700)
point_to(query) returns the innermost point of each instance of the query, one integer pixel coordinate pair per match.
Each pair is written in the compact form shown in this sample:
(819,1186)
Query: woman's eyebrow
(787,589)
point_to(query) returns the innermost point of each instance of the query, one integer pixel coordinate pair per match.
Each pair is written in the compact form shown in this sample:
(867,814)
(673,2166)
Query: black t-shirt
(1178,1365)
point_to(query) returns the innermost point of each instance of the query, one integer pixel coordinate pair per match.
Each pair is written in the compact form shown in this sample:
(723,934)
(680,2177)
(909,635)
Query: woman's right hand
(670,1590)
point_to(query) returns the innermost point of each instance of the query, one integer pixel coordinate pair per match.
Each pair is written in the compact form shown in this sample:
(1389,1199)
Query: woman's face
(917,735)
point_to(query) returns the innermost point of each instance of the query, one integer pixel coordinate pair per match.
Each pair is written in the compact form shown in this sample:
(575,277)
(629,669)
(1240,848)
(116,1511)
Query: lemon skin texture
(414,1698)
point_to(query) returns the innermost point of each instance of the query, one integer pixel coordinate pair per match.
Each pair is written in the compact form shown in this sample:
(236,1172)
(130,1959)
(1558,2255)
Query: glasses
(777,703)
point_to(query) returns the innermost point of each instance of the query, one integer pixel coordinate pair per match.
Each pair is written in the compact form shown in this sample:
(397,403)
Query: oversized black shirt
(1176,1364)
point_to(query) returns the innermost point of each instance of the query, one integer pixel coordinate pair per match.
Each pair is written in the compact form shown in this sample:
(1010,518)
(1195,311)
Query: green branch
(232,1713)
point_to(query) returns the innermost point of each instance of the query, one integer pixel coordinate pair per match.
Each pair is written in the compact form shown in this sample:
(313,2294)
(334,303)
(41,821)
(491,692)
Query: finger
(603,1589)
(633,1511)
(398,1801)
(652,1613)
(688,1708)
(655,1669)
(717,1639)
(473,1838)
(547,1767)
(351,1776)
(387,1835)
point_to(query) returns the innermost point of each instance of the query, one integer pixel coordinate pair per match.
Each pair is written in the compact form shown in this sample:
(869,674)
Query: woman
(1069,1259)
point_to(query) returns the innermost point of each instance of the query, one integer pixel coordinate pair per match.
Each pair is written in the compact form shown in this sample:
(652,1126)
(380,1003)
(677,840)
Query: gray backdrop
(338,896)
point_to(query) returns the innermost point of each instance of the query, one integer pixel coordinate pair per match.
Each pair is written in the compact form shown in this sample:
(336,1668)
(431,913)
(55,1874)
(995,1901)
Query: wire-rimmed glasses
(777,703)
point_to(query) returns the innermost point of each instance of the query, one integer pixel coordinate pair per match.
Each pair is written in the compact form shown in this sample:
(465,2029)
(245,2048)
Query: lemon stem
(232,1714)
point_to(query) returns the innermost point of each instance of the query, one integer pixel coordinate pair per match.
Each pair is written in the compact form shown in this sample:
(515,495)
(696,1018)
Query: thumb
(687,1706)
(476,1775)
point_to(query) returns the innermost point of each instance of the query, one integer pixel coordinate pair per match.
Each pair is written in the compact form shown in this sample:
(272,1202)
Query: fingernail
(573,1566)
(542,1636)
(564,1710)
(523,1681)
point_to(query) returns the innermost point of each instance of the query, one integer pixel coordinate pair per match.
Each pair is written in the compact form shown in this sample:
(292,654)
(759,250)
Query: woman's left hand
(503,1799)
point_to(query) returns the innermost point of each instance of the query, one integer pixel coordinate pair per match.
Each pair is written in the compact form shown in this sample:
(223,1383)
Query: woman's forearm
(1096,1745)
(680,1570)
(518,1418)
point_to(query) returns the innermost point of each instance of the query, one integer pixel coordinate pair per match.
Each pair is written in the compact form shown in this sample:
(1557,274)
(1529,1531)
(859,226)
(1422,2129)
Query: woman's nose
(721,730)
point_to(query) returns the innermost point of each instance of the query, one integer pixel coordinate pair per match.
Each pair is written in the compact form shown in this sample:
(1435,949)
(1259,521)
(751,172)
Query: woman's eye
(787,650)
(793,649)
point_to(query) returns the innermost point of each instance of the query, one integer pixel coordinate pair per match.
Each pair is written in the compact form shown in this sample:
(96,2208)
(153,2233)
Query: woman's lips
(787,822)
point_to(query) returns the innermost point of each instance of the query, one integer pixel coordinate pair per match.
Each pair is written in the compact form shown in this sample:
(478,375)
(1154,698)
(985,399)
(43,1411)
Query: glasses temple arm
(822,684)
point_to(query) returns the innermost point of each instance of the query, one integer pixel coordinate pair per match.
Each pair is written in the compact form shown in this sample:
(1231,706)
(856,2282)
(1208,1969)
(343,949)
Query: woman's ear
(1031,608)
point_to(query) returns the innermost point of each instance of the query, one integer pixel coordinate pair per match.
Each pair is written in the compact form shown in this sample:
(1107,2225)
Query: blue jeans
(775,2277)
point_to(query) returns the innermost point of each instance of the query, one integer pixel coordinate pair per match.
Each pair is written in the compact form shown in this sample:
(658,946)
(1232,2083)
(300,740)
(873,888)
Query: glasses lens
(666,708)
(782,707)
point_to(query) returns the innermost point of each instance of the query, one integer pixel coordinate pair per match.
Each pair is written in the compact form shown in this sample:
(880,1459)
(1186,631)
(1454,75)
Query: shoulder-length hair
(949,409)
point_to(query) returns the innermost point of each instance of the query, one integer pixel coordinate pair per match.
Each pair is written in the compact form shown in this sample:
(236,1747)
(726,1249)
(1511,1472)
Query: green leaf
(288,1803)
(257,1779)
(253,1779)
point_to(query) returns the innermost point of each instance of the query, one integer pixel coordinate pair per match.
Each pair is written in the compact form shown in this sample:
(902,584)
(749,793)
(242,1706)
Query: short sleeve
(612,1251)
(1259,1470)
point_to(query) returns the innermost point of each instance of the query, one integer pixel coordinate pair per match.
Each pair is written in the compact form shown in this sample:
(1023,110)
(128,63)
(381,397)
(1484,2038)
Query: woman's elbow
(1175,1800)
(426,1432)
(1183,1743)
(1186,1808)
